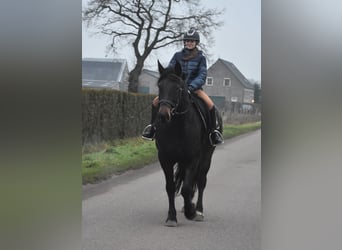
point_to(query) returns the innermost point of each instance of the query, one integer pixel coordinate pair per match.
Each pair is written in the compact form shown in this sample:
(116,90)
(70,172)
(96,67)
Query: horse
(182,141)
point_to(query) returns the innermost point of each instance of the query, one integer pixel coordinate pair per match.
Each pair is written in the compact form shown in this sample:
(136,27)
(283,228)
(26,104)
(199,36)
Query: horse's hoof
(190,212)
(170,223)
(199,216)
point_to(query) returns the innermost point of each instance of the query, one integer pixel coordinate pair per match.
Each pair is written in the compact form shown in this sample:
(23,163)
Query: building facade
(226,84)
(99,73)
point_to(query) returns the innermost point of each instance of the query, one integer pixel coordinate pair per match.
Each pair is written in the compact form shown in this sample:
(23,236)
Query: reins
(174,110)
(172,105)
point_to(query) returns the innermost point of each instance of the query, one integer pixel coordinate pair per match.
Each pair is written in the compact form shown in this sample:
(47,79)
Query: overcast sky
(237,41)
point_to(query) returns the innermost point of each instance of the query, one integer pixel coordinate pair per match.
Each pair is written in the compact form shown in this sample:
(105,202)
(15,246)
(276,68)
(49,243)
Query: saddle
(202,110)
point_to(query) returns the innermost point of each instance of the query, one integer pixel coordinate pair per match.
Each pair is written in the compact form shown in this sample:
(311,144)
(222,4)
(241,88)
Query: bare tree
(148,25)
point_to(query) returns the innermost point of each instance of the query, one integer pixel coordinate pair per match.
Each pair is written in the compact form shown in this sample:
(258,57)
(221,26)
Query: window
(227,82)
(248,95)
(210,81)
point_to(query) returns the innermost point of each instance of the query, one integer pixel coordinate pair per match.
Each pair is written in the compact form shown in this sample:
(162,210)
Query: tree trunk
(133,80)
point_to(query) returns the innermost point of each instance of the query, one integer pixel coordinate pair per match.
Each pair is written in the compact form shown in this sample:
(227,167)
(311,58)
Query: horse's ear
(178,69)
(160,67)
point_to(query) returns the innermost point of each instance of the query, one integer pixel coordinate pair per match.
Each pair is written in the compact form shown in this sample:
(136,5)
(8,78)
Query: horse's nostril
(166,117)
(165,113)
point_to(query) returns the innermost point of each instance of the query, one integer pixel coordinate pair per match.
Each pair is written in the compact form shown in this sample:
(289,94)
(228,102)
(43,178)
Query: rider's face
(190,44)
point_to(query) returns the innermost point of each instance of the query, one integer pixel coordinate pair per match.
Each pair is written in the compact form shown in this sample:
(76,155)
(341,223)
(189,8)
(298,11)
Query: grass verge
(103,161)
(230,130)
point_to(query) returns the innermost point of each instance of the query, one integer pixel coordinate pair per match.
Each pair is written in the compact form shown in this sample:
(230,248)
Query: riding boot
(215,137)
(149,130)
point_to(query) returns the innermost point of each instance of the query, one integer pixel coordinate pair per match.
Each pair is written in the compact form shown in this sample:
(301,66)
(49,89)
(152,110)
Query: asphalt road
(128,211)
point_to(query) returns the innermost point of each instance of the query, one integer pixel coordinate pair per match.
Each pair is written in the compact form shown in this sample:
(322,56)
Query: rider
(194,67)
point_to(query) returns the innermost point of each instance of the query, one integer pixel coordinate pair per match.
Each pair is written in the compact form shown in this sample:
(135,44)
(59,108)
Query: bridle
(174,106)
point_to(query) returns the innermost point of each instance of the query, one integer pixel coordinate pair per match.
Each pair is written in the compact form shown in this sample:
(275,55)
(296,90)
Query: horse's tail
(179,174)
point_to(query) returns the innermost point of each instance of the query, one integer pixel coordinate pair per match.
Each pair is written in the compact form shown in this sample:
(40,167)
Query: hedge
(110,114)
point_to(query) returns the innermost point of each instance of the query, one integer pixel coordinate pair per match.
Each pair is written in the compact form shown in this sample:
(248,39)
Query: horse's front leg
(171,220)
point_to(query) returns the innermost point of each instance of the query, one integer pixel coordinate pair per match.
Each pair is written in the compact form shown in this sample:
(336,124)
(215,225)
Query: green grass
(102,161)
(116,158)
(230,130)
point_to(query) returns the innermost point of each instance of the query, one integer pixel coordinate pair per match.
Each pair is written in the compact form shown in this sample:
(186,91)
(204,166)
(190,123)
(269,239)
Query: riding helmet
(191,34)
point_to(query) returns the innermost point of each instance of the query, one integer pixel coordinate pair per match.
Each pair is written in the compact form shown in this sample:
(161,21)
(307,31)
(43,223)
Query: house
(99,73)
(148,82)
(226,84)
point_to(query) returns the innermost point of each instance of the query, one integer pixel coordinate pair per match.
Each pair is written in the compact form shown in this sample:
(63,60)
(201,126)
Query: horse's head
(171,90)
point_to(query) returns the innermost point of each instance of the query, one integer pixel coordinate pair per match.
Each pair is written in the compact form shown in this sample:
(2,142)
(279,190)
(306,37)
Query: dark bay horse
(182,140)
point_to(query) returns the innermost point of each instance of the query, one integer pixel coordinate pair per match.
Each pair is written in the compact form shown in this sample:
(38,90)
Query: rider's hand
(191,89)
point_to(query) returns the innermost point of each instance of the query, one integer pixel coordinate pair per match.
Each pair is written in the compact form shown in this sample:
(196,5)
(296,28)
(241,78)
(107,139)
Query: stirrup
(219,134)
(147,133)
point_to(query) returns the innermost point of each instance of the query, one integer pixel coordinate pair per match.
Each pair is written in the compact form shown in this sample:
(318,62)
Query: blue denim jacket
(194,70)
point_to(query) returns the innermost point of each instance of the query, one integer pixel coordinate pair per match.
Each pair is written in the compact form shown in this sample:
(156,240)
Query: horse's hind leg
(202,181)
(201,184)
(187,193)
(171,220)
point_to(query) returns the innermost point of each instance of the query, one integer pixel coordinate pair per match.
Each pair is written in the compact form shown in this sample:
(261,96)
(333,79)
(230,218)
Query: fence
(235,112)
